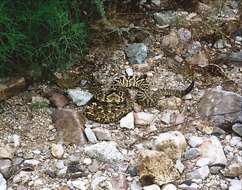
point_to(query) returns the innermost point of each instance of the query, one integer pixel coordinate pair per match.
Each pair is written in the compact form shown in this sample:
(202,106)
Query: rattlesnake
(111,106)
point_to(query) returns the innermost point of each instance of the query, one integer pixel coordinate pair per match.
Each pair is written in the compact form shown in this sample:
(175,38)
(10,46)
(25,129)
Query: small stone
(87,161)
(119,182)
(5,166)
(169,187)
(194,141)
(165,18)
(200,173)
(127,121)
(6,152)
(235,184)
(3,183)
(15,139)
(184,34)
(215,169)
(191,153)
(151,187)
(193,186)
(237,128)
(79,184)
(129,71)
(57,150)
(194,48)
(79,97)
(179,166)
(22,177)
(136,53)
(171,40)
(202,162)
(135,185)
(235,141)
(143,118)
(31,162)
(102,134)
(104,151)
(91,137)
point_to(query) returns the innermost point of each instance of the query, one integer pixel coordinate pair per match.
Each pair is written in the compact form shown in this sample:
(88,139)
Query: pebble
(235,141)
(179,166)
(195,141)
(169,187)
(32,162)
(135,185)
(3,183)
(79,184)
(184,34)
(127,121)
(102,134)
(151,187)
(136,53)
(200,173)
(192,186)
(129,71)
(87,161)
(191,153)
(91,137)
(6,152)
(104,151)
(15,139)
(5,165)
(57,150)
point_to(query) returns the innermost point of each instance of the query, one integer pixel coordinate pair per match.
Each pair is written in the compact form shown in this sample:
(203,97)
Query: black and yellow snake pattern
(111,106)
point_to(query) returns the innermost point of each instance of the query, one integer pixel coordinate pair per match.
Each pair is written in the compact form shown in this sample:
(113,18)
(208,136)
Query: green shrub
(39,36)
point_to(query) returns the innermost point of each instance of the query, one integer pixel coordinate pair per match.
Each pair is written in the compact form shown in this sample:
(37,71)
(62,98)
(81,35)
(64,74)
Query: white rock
(135,185)
(235,141)
(79,184)
(179,166)
(143,118)
(127,121)
(3,183)
(169,187)
(102,134)
(32,162)
(90,135)
(235,184)
(202,162)
(193,186)
(213,150)
(22,177)
(60,164)
(6,152)
(173,143)
(129,71)
(87,161)
(166,117)
(151,187)
(15,139)
(57,150)
(79,97)
(200,173)
(195,141)
(96,181)
(104,151)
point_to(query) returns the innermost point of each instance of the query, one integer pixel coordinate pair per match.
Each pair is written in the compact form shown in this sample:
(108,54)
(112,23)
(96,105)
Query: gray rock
(194,48)
(195,141)
(127,121)
(169,187)
(234,168)
(222,106)
(6,151)
(5,166)
(91,137)
(237,128)
(203,162)
(136,53)
(200,173)
(235,184)
(3,183)
(79,184)
(166,18)
(192,153)
(135,185)
(102,134)
(79,97)
(232,58)
(105,151)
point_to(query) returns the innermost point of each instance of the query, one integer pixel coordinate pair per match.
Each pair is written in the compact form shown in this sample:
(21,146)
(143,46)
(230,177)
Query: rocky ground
(190,143)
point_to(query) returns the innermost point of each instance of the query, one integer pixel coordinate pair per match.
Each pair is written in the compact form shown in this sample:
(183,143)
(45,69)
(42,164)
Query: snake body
(111,106)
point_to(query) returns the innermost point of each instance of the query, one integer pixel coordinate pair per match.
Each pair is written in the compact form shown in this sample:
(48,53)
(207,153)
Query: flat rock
(105,151)
(191,153)
(172,143)
(6,152)
(169,187)
(102,134)
(222,106)
(91,137)
(165,18)
(70,126)
(5,166)
(234,168)
(136,53)
(237,128)
(235,184)
(195,141)
(213,150)
(156,167)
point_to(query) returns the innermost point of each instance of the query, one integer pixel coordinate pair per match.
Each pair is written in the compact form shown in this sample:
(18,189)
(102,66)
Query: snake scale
(111,106)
